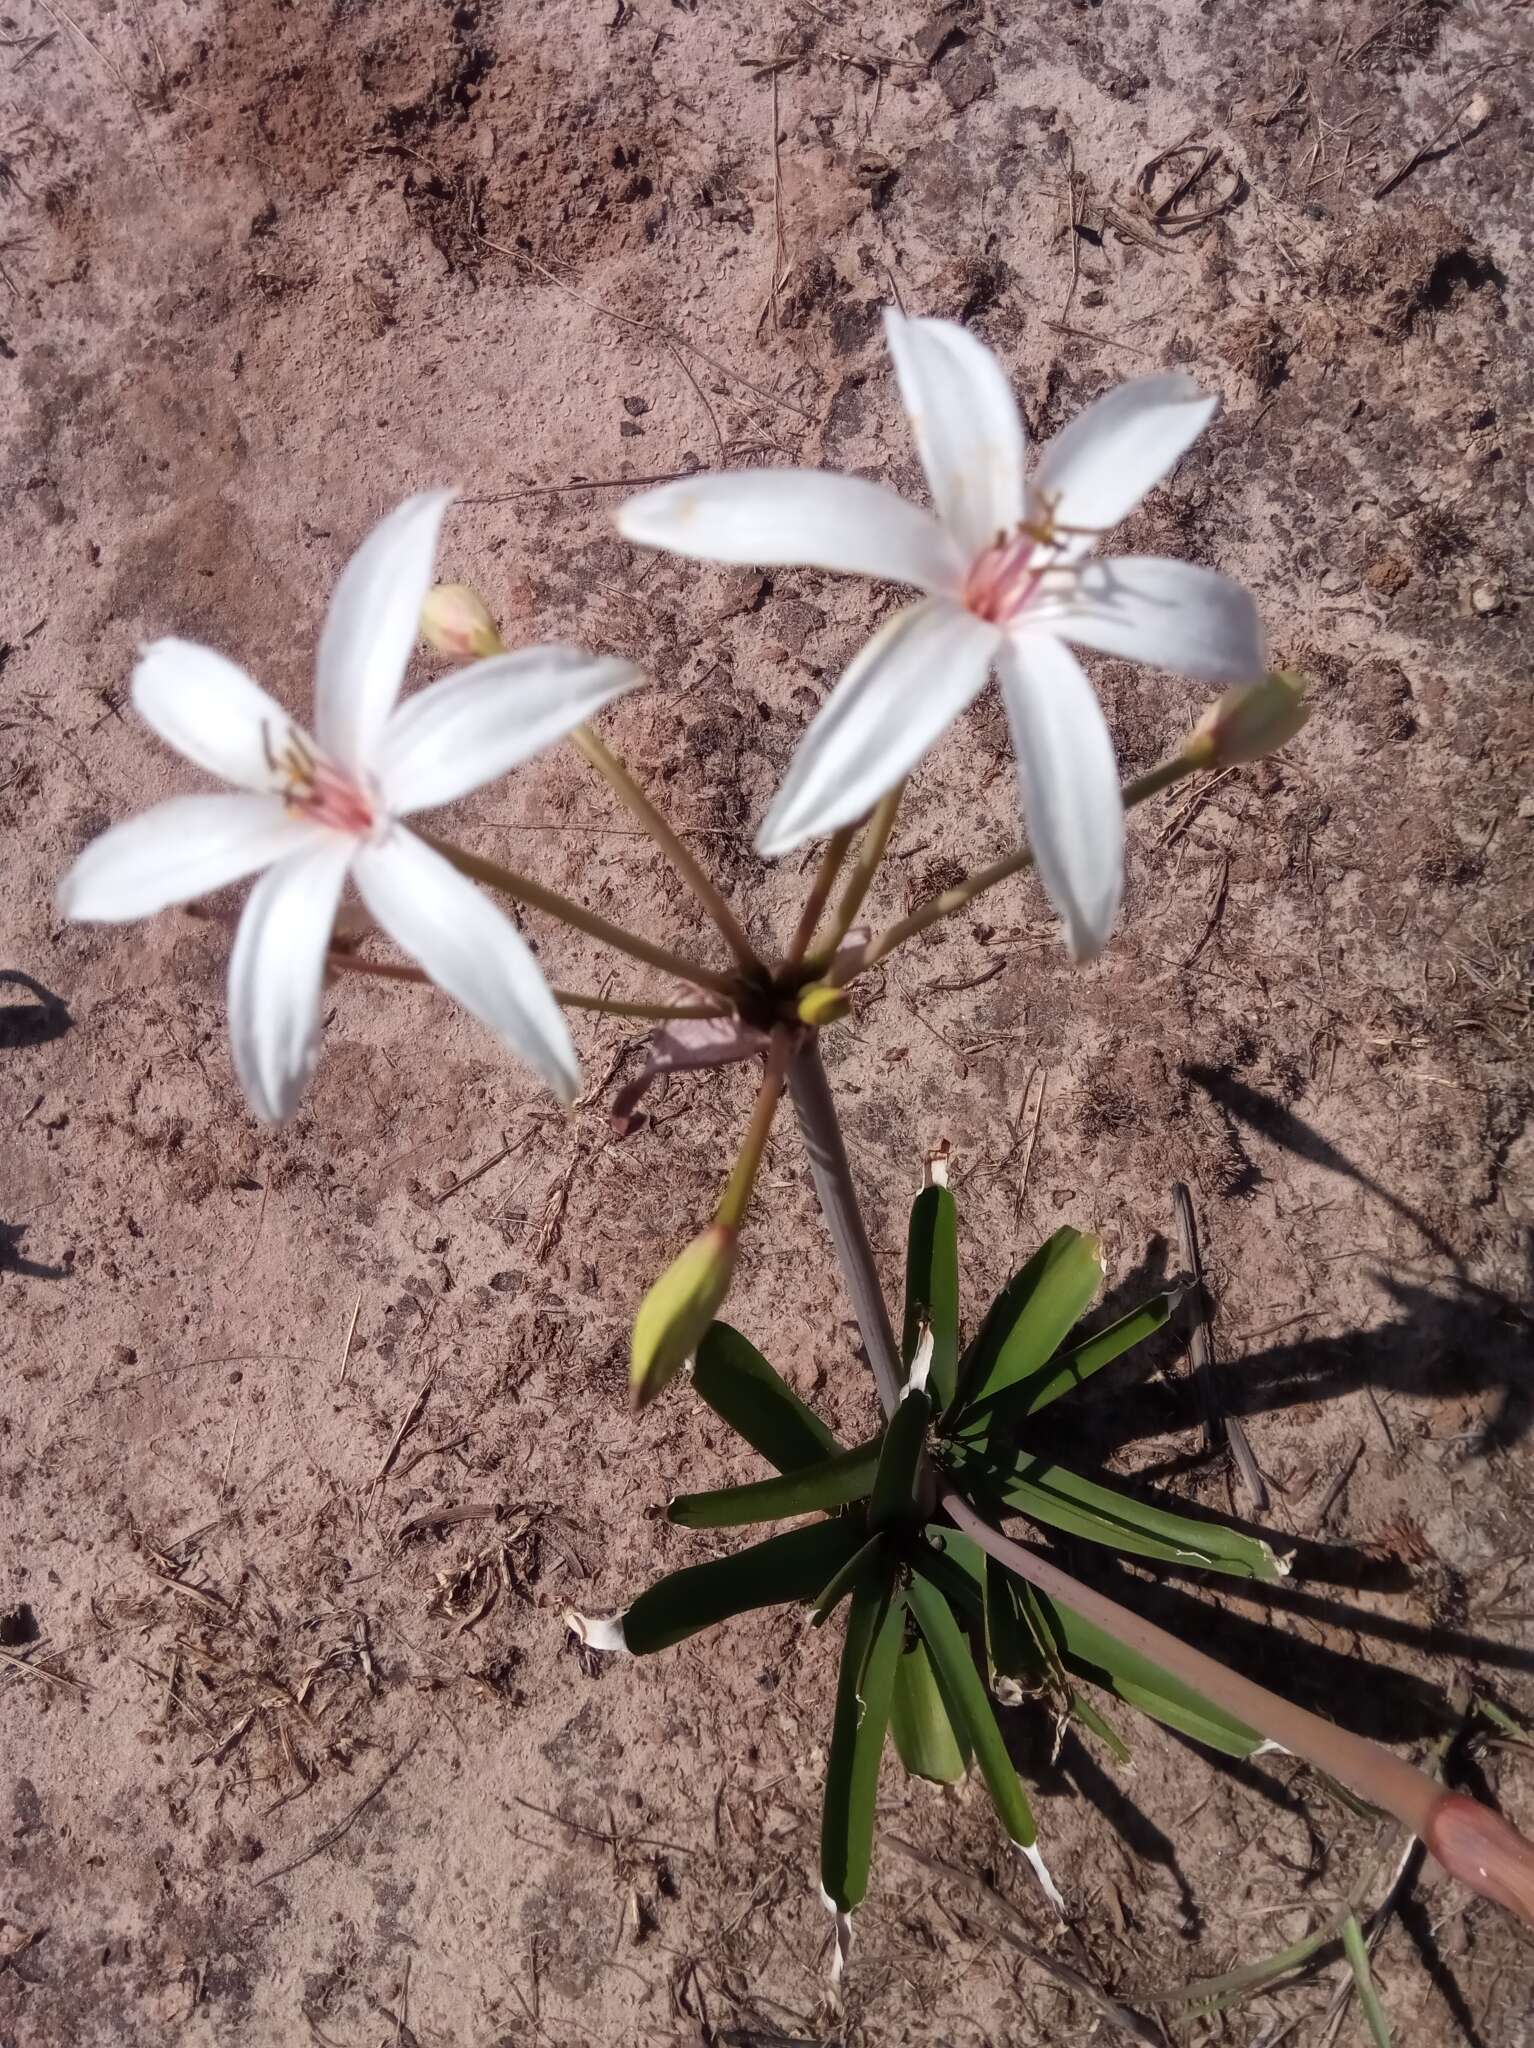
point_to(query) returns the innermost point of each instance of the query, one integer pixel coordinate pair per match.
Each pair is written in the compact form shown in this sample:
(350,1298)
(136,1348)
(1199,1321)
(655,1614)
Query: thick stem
(522,889)
(1373,1773)
(837,1195)
(864,868)
(613,771)
(820,890)
(567,998)
(736,1199)
(951,900)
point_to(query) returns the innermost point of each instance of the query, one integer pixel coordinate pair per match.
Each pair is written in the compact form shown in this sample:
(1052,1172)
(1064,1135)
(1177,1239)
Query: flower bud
(455,620)
(676,1313)
(822,1003)
(1483,1851)
(1252,720)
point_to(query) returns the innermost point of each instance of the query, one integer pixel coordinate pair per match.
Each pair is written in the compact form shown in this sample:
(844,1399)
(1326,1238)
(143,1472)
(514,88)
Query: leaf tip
(841,1944)
(597,1632)
(1040,1870)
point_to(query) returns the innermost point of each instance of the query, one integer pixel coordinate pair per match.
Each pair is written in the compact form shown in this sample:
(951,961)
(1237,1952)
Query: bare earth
(308,1437)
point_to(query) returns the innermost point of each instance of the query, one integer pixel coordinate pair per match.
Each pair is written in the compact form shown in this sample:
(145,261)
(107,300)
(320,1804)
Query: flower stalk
(953,900)
(1473,1843)
(869,855)
(567,998)
(820,892)
(523,889)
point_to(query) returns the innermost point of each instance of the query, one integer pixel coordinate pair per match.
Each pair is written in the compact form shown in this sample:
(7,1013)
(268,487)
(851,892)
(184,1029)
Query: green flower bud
(1252,720)
(455,620)
(674,1316)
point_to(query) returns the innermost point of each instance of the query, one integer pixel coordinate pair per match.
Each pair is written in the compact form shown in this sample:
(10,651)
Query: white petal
(785,516)
(1070,785)
(469,948)
(922,668)
(968,429)
(1171,614)
(210,711)
(178,850)
(1096,470)
(475,725)
(276,970)
(372,627)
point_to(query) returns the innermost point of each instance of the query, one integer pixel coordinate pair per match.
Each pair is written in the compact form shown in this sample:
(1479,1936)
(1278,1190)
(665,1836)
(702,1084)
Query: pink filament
(1005,579)
(330,798)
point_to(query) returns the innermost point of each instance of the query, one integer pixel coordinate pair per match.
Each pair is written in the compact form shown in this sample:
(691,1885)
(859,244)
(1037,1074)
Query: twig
(1339,1482)
(1033,1139)
(1201,1352)
(1129,2024)
(42,1671)
(344,1826)
(412,1417)
(713,417)
(1420,156)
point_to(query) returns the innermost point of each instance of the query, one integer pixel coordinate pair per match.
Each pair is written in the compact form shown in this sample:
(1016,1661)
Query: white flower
(314,812)
(1008,576)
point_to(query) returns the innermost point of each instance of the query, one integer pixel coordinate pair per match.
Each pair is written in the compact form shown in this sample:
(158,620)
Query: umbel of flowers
(1010,576)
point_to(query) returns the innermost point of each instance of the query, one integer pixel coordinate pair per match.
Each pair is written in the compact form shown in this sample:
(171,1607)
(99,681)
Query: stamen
(316,789)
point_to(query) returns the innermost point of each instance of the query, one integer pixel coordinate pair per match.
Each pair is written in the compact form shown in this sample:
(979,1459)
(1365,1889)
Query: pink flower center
(317,789)
(1003,581)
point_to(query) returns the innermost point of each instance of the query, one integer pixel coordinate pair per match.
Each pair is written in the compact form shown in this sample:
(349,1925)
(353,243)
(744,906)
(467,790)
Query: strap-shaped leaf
(793,1566)
(894,1496)
(862,1562)
(742,1388)
(1064,1500)
(1021,1645)
(829,1484)
(1031,1317)
(1091,1653)
(875,1632)
(932,1287)
(1015,1647)
(1071,1369)
(969,1709)
(924,1735)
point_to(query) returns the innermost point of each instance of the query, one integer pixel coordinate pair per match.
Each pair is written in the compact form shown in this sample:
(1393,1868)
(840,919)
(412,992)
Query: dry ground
(265,267)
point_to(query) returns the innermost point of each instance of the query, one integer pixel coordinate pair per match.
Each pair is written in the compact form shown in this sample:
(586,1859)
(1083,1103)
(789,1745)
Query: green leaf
(1357,1952)
(742,1388)
(1071,1369)
(932,1287)
(1013,1647)
(875,1632)
(1089,1652)
(1098,1724)
(1031,1317)
(829,1484)
(894,1496)
(924,1735)
(1063,1500)
(793,1566)
(969,1709)
(849,1575)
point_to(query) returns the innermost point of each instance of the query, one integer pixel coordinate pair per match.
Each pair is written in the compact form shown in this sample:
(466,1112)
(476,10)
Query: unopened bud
(1483,1851)
(674,1316)
(1252,720)
(822,1003)
(456,621)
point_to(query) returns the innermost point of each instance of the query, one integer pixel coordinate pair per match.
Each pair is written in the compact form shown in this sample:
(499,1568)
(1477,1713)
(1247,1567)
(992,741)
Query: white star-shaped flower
(313,813)
(1008,577)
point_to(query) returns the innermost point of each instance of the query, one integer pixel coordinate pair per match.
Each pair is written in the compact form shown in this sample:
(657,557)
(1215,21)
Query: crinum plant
(943,1614)
(1010,577)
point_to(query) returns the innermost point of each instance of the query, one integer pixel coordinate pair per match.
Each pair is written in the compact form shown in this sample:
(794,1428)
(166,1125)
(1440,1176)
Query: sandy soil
(315,1760)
